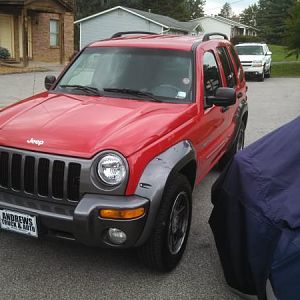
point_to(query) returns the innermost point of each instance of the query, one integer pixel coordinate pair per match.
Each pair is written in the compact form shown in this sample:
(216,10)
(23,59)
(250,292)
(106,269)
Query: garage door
(7,33)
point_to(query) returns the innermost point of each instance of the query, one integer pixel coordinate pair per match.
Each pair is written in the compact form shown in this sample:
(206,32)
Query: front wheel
(268,74)
(167,243)
(261,77)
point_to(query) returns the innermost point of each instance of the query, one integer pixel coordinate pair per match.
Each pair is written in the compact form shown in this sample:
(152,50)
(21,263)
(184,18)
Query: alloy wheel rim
(178,223)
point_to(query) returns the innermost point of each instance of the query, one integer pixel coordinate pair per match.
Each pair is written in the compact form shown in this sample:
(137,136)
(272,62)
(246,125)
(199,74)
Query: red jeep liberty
(109,155)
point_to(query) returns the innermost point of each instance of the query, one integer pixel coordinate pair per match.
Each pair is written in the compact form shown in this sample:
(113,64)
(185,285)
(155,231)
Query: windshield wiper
(89,89)
(137,93)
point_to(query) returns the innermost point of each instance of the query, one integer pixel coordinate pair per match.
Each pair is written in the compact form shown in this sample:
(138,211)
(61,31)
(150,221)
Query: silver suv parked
(256,59)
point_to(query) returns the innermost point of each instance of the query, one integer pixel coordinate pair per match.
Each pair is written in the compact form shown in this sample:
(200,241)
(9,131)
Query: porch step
(9,61)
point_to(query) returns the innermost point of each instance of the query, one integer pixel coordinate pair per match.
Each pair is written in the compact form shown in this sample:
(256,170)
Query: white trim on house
(96,15)
(226,21)
(235,23)
(194,28)
(123,8)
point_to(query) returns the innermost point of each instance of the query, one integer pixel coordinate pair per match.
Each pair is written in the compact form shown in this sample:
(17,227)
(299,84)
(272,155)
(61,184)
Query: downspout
(80,46)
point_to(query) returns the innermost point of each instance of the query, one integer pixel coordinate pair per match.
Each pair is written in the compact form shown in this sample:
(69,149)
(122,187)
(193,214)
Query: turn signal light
(122,214)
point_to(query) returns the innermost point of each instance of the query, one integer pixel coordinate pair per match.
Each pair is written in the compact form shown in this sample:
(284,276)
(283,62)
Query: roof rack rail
(207,36)
(119,34)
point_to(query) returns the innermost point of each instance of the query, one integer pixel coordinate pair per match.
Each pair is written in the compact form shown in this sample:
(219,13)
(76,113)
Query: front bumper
(253,71)
(82,222)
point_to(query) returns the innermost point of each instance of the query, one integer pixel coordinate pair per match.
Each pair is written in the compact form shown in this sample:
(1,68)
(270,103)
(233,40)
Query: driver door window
(212,77)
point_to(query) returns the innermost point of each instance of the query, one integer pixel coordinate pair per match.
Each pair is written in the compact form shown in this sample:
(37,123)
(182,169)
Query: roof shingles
(164,20)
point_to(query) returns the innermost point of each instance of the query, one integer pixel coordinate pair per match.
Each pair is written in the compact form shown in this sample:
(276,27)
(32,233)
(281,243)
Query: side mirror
(269,53)
(224,97)
(49,81)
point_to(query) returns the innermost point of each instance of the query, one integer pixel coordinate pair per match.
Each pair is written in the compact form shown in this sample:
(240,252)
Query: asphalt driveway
(50,269)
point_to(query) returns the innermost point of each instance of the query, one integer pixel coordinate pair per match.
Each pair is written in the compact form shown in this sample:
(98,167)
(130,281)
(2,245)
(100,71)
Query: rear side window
(237,63)
(227,66)
(211,74)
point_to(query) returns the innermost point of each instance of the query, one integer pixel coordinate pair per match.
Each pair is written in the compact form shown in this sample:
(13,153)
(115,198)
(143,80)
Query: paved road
(19,86)
(40,269)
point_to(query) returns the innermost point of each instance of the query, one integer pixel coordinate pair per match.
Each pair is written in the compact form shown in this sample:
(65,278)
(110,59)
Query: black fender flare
(155,177)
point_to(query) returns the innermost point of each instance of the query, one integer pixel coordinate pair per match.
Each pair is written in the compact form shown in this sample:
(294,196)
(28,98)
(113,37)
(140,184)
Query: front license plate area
(18,222)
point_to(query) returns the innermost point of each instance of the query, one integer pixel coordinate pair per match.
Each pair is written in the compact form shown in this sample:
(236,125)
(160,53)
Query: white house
(118,19)
(104,24)
(229,27)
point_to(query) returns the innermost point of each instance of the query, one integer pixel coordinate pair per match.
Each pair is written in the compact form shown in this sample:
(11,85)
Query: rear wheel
(238,145)
(167,243)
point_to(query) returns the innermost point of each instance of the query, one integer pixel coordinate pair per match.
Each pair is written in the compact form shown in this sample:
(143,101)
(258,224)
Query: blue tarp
(256,215)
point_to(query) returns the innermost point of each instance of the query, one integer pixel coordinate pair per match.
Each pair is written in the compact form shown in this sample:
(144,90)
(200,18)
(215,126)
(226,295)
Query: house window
(54,33)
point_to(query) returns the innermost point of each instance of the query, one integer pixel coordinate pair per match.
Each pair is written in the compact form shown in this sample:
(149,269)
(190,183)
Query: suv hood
(251,57)
(82,126)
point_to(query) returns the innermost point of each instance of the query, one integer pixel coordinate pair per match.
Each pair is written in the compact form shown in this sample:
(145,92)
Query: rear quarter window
(227,66)
(237,63)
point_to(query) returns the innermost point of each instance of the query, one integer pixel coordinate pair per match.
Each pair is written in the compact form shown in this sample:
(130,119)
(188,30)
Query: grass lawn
(279,53)
(286,70)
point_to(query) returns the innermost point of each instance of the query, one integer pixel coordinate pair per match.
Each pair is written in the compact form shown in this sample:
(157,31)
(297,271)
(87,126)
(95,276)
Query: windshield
(249,50)
(164,75)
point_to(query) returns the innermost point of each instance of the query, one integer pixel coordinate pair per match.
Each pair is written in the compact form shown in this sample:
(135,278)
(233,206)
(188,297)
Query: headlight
(112,169)
(257,63)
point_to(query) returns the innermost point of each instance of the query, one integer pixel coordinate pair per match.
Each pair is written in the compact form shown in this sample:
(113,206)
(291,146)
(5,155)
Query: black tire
(261,77)
(161,252)
(268,75)
(238,145)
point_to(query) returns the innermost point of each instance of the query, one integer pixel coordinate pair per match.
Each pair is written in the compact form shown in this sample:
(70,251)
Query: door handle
(224,109)
(240,95)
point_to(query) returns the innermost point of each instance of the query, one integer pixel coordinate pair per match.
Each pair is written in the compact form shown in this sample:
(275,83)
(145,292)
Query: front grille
(246,63)
(40,175)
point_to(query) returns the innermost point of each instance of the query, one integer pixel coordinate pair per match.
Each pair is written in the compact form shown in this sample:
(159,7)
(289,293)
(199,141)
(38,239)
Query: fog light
(116,236)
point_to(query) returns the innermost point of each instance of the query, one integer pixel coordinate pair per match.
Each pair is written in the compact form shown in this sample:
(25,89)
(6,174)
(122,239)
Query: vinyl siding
(211,25)
(106,25)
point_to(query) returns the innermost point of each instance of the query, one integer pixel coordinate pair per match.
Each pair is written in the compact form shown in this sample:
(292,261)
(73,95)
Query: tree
(226,11)
(271,19)
(195,8)
(249,15)
(95,6)
(293,31)
(182,10)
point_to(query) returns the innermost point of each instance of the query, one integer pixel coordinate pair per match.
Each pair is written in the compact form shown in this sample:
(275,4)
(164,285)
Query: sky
(213,7)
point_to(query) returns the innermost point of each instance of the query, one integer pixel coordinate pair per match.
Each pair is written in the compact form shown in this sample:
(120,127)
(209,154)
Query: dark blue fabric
(274,161)
(257,212)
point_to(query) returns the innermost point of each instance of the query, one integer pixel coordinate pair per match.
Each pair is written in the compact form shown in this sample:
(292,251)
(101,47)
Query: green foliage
(286,70)
(226,11)
(195,8)
(279,53)
(271,19)
(172,8)
(245,39)
(4,53)
(182,10)
(249,15)
(293,31)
